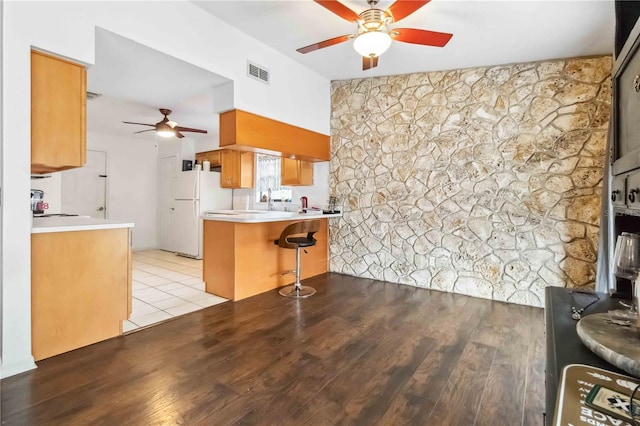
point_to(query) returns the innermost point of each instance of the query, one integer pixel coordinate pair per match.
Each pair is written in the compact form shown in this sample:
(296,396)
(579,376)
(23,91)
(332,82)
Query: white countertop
(257,216)
(74,223)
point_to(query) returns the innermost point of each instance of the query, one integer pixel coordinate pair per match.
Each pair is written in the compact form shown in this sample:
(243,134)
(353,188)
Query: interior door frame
(106,183)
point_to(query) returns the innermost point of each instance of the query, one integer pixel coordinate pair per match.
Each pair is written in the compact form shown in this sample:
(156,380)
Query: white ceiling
(135,81)
(484,32)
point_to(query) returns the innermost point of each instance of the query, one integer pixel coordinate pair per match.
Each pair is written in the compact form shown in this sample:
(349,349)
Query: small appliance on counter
(332,206)
(38,206)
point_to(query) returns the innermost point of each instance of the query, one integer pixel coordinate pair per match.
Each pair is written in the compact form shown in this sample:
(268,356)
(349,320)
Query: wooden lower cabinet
(80,288)
(240,259)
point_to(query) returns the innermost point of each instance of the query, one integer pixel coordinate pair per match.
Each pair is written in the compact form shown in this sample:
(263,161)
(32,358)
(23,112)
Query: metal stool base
(297,292)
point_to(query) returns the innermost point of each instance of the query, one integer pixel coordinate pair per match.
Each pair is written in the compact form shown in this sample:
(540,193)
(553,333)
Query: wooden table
(564,347)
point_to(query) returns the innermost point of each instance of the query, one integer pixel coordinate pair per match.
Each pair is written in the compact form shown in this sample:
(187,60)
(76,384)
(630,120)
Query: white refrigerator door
(212,197)
(186,185)
(187,227)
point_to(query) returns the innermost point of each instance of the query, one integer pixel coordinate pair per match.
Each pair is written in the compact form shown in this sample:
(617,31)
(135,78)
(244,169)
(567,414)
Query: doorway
(84,189)
(166,210)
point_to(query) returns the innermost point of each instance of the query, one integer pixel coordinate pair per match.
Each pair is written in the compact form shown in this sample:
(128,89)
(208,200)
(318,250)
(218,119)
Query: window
(268,177)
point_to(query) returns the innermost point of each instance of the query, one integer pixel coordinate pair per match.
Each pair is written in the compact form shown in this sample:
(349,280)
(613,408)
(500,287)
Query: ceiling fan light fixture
(165,130)
(165,133)
(372,43)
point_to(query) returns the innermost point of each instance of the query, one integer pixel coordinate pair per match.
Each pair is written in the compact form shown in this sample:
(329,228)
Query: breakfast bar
(240,259)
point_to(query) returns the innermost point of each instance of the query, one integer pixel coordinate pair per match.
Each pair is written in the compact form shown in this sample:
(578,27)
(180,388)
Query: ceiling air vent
(91,96)
(257,72)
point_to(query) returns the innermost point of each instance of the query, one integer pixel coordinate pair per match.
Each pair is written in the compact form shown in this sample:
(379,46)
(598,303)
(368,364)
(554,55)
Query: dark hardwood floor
(359,352)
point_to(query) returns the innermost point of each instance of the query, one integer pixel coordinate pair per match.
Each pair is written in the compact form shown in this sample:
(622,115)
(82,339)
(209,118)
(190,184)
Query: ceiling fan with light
(166,128)
(373,35)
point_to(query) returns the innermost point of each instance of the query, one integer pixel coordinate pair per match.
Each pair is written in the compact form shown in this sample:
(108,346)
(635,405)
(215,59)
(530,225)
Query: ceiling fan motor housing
(374,20)
(373,35)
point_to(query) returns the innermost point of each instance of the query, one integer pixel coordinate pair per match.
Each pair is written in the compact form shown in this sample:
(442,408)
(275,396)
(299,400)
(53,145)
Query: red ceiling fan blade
(326,43)
(424,37)
(142,131)
(339,9)
(369,62)
(188,129)
(142,124)
(403,8)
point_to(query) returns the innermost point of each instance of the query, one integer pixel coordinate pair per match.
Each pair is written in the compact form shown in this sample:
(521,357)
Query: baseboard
(7,370)
(137,249)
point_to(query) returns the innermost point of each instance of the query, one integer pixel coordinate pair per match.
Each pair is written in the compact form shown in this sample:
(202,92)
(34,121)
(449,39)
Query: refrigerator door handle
(195,212)
(195,185)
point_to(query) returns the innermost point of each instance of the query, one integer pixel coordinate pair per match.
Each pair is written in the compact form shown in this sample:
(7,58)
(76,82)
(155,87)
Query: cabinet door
(296,172)
(79,288)
(288,171)
(237,169)
(247,166)
(58,114)
(230,169)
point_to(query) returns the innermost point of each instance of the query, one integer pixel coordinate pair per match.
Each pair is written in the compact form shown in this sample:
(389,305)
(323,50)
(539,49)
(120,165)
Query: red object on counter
(304,202)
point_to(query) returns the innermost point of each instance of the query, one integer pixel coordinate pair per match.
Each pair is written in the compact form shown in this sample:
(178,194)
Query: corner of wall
(8,370)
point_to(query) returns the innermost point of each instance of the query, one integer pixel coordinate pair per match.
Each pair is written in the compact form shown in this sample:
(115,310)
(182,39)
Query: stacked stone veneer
(483,181)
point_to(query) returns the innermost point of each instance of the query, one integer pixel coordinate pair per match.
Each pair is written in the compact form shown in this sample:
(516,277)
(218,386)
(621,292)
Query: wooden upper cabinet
(58,113)
(212,156)
(245,131)
(296,172)
(236,169)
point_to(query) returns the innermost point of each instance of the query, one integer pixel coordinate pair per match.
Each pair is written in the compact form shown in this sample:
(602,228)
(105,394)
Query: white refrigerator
(195,191)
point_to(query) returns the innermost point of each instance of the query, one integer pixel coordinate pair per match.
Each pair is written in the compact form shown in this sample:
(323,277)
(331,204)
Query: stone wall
(482,181)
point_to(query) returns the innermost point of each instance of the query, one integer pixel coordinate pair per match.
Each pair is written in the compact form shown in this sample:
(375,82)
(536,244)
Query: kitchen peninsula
(80,282)
(240,259)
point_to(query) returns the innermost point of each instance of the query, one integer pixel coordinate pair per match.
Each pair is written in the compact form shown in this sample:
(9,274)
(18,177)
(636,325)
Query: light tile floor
(165,286)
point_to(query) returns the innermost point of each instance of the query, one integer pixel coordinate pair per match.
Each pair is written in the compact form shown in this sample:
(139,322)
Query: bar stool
(288,241)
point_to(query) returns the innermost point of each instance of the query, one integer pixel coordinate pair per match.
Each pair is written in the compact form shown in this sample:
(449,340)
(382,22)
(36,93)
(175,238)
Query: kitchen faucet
(269,201)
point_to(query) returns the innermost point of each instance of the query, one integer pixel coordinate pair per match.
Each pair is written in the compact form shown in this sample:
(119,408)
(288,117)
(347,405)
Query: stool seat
(289,241)
(299,241)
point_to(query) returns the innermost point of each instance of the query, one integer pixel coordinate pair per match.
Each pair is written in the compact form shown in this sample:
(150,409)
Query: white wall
(317,194)
(132,184)
(1,203)
(296,95)
(52,191)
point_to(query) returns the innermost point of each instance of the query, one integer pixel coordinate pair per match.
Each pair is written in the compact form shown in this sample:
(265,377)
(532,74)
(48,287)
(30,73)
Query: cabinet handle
(632,195)
(614,195)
